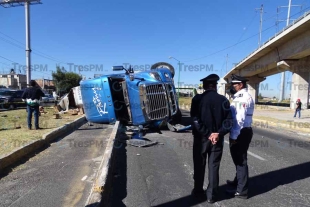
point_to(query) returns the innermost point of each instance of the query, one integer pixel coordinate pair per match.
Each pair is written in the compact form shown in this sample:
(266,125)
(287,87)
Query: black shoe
(233,183)
(211,201)
(198,193)
(236,194)
(231,191)
(242,196)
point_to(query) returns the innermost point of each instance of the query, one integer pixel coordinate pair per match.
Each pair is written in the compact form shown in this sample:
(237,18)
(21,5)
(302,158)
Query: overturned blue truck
(145,98)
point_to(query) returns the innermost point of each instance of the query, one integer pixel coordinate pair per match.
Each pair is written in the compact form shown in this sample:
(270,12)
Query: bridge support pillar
(299,85)
(299,89)
(253,87)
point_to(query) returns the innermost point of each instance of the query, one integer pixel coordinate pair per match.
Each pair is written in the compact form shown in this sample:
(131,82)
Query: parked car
(11,98)
(48,98)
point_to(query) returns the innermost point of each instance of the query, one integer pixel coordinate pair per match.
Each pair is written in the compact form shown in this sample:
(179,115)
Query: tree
(64,80)
(260,96)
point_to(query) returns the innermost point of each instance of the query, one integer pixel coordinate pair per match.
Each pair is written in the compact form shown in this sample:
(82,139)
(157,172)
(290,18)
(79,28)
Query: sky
(209,35)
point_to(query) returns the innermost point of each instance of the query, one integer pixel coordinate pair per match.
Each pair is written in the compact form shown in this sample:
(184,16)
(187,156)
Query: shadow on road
(259,184)
(119,189)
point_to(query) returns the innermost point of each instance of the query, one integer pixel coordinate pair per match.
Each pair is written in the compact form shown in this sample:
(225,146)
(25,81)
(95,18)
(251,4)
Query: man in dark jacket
(32,95)
(212,120)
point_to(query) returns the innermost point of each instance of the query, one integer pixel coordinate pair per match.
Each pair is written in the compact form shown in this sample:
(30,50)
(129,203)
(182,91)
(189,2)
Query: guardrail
(277,34)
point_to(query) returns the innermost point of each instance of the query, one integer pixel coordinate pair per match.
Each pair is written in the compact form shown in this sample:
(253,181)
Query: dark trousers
(297,111)
(214,159)
(238,153)
(35,111)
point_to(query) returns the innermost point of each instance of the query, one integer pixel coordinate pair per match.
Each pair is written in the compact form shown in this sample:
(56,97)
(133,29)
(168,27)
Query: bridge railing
(277,34)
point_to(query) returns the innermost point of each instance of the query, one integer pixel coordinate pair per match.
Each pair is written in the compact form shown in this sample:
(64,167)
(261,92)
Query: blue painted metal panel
(97,105)
(98,102)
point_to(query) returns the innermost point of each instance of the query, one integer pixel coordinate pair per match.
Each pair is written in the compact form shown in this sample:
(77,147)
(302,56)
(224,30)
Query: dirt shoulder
(14,132)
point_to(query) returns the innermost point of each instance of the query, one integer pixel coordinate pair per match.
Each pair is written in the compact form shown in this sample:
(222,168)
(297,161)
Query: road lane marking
(254,155)
(84,178)
(251,153)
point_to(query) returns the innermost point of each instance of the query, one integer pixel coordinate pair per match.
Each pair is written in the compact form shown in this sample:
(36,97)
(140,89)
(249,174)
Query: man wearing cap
(212,120)
(241,135)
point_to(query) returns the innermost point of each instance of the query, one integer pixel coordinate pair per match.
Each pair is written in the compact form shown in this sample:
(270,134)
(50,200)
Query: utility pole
(288,12)
(287,20)
(28,50)
(26,3)
(282,89)
(179,62)
(261,9)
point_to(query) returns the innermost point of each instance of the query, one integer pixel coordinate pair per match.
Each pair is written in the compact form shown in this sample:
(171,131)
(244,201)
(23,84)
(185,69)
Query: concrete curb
(273,125)
(99,194)
(282,126)
(15,156)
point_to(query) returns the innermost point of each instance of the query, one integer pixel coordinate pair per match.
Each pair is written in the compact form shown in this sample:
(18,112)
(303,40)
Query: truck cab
(134,98)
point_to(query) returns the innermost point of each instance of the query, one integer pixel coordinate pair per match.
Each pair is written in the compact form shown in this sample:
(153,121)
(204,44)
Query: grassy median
(14,132)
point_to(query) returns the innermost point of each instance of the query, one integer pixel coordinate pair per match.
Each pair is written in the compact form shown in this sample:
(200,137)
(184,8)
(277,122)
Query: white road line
(84,178)
(251,153)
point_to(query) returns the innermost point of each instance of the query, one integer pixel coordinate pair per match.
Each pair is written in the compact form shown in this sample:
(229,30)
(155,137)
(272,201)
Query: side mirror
(117,68)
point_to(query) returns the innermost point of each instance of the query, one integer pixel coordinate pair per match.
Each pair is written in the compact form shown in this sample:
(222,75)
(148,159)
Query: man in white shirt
(241,134)
(55,97)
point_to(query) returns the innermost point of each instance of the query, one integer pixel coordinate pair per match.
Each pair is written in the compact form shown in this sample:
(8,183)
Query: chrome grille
(155,102)
(171,98)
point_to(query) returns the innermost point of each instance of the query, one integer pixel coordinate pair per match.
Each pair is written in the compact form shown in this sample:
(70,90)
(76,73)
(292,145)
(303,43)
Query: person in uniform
(212,120)
(241,134)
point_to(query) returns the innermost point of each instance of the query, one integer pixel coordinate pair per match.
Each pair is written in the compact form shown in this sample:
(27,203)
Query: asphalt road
(60,175)
(161,175)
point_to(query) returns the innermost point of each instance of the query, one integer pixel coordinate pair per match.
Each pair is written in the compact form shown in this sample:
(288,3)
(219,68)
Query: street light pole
(179,62)
(26,3)
(282,90)
(28,50)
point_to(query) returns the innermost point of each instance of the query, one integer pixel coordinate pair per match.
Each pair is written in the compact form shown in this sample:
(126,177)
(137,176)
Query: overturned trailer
(146,98)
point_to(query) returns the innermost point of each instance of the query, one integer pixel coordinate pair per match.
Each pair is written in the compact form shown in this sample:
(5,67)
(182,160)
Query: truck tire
(163,65)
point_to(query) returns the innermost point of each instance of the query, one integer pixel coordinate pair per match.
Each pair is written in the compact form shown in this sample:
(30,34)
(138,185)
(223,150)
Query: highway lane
(61,175)
(161,175)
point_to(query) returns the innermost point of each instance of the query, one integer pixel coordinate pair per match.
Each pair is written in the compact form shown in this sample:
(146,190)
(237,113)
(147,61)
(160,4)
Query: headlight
(167,76)
(155,75)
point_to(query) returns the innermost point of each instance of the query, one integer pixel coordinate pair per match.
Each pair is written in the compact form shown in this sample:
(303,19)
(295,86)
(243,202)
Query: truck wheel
(163,65)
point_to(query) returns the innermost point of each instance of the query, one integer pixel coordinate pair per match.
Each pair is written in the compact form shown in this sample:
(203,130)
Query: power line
(229,46)
(5,63)
(261,11)
(245,30)
(37,51)
(239,39)
(238,42)
(7,59)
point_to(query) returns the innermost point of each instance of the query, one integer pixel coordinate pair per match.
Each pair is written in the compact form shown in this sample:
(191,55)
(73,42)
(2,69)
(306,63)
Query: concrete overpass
(288,50)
